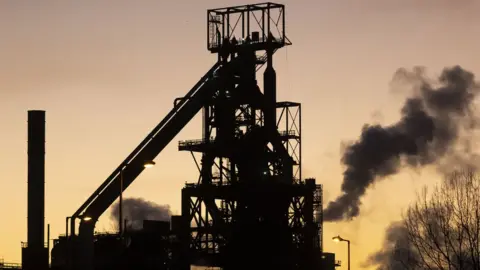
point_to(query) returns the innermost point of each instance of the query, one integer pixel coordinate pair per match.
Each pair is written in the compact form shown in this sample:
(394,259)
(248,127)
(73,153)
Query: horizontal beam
(237,191)
(243,8)
(283,104)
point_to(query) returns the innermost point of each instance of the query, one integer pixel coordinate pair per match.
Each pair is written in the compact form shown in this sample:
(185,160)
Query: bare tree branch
(440,230)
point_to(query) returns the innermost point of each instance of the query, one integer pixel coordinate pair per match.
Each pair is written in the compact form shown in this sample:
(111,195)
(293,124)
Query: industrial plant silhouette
(251,208)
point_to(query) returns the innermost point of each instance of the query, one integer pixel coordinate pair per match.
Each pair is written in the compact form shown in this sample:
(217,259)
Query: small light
(337,238)
(87,218)
(149,164)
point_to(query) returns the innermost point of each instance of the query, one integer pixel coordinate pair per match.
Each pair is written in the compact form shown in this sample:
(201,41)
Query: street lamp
(340,239)
(147,164)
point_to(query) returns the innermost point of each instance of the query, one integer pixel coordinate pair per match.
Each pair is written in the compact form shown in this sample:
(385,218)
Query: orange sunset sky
(107,72)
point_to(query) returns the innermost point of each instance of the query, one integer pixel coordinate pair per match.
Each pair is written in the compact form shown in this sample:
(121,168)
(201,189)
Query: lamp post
(340,239)
(67,244)
(66,227)
(147,164)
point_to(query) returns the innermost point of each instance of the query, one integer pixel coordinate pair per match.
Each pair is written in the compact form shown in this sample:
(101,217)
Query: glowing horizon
(107,73)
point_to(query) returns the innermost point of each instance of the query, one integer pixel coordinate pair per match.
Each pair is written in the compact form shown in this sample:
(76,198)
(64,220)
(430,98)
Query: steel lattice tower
(250,208)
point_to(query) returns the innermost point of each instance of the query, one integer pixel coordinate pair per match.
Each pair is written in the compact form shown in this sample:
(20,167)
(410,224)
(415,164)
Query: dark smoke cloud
(136,210)
(397,253)
(433,119)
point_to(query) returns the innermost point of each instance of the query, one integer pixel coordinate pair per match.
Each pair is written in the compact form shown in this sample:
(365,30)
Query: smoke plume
(136,210)
(432,121)
(397,252)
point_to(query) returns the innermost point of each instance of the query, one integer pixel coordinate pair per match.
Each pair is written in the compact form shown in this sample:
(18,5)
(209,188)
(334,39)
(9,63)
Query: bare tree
(440,230)
(444,228)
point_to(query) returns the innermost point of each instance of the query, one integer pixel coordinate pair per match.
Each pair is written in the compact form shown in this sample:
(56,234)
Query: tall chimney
(36,178)
(35,254)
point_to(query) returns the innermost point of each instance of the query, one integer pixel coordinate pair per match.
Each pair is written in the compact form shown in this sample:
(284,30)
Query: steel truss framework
(246,24)
(250,202)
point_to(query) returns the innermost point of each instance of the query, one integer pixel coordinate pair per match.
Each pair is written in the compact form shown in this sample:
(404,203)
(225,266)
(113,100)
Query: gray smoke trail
(136,210)
(432,121)
(397,252)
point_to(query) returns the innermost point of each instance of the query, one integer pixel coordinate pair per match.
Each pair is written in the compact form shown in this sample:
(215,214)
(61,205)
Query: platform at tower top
(256,25)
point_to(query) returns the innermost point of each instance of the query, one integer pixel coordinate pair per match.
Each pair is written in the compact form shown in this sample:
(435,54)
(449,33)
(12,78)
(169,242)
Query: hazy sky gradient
(107,72)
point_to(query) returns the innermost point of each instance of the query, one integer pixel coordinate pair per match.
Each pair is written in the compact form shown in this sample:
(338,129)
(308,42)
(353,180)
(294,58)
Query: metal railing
(213,183)
(10,266)
(216,44)
(25,245)
(287,133)
(4,265)
(193,142)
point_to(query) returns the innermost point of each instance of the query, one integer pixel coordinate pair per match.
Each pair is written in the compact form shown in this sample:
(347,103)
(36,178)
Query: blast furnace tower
(250,208)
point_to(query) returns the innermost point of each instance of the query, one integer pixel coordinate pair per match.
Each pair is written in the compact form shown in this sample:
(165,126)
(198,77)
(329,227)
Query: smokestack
(35,254)
(36,178)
